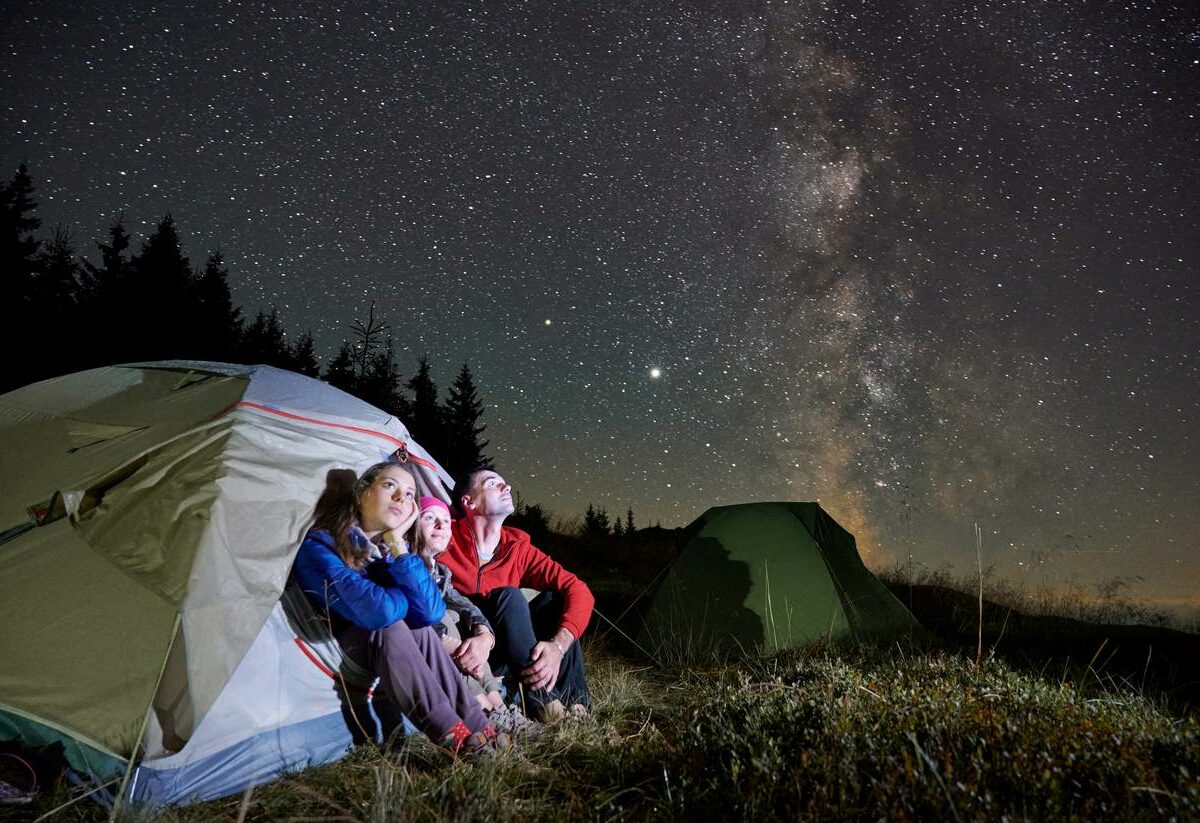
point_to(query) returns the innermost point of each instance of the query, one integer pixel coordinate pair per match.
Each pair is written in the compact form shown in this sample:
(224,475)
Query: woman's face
(434,524)
(388,502)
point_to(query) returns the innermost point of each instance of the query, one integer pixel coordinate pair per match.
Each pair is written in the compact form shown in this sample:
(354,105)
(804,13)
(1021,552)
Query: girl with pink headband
(465,632)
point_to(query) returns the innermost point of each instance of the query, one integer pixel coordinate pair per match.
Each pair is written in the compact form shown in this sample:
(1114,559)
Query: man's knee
(506,598)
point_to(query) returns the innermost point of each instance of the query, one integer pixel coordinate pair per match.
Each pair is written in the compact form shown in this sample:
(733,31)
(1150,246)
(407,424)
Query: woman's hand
(395,542)
(410,516)
(394,538)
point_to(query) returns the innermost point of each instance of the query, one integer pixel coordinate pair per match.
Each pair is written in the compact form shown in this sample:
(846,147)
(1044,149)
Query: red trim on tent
(316,661)
(357,429)
(330,673)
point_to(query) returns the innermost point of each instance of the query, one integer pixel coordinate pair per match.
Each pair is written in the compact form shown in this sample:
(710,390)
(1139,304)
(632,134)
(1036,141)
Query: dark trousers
(519,625)
(417,674)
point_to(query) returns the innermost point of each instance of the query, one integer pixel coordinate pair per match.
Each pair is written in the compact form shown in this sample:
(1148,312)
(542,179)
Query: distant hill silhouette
(1152,659)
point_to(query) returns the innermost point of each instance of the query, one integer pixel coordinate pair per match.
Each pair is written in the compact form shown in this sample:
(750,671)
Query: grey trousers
(418,674)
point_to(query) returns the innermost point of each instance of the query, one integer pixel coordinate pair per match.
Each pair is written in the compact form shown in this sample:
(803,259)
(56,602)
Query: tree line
(67,313)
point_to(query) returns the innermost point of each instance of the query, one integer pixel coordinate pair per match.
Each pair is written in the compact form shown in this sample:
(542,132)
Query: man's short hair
(462,488)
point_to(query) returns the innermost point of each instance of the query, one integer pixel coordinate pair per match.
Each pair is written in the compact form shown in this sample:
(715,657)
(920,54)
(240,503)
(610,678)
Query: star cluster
(931,264)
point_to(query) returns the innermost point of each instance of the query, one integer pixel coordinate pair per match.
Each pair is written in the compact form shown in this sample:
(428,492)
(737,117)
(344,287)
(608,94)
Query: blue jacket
(386,591)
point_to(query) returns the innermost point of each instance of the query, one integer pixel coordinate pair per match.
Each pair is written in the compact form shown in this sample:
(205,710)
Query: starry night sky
(931,263)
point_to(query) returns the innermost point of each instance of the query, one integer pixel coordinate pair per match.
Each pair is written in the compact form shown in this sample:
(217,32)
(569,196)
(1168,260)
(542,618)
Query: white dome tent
(149,516)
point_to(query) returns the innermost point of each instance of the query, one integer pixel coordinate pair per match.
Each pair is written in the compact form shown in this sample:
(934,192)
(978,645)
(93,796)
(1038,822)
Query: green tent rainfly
(149,514)
(768,576)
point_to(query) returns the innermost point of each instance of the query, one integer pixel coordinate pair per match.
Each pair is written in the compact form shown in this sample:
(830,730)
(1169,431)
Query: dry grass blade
(74,800)
(308,791)
(244,806)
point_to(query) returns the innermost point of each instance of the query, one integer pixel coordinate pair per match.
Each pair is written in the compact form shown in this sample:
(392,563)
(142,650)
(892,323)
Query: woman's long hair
(338,512)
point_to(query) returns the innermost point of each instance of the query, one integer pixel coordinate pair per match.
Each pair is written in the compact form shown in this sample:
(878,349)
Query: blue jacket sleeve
(347,592)
(425,603)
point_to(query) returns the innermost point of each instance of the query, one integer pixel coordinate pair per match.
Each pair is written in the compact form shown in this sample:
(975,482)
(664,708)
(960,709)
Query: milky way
(931,264)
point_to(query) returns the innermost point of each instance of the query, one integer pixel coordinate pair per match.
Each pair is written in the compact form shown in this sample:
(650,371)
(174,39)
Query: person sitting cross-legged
(382,603)
(463,627)
(537,642)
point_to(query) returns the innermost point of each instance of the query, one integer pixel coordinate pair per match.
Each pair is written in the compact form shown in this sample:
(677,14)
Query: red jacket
(517,562)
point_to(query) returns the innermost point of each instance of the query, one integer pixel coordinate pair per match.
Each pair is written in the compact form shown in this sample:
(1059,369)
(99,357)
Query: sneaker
(512,720)
(455,739)
(485,744)
(497,739)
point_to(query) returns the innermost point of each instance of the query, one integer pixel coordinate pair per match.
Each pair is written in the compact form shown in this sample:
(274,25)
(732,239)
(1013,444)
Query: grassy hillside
(1154,661)
(1042,727)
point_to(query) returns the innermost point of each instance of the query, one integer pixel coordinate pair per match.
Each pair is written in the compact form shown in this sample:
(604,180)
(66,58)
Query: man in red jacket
(536,642)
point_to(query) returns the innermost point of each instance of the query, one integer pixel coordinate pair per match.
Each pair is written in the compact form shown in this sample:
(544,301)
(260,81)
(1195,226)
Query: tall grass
(819,734)
(1108,603)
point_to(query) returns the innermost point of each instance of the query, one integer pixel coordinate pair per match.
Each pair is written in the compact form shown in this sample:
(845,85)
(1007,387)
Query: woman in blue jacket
(382,605)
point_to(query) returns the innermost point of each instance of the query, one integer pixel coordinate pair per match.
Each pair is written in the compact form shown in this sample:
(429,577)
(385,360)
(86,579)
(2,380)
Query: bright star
(655,373)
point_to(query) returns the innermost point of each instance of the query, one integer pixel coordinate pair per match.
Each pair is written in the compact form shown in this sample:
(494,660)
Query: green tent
(768,576)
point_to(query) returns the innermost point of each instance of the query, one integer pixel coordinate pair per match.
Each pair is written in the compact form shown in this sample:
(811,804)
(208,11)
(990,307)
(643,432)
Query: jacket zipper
(480,568)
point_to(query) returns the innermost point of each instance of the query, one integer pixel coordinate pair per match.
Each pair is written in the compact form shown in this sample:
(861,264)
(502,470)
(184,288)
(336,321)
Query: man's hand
(544,671)
(472,654)
(547,658)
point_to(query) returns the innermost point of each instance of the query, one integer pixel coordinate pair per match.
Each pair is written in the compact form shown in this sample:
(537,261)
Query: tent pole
(133,756)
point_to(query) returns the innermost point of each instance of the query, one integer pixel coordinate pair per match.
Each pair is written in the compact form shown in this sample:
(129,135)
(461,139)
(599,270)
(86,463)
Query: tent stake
(133,756)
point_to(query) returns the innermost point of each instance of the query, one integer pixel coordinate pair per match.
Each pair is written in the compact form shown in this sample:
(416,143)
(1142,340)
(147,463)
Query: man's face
(489,496)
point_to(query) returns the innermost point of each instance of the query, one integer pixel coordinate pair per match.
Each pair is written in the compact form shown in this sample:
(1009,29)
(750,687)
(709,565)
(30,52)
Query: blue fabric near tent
(256,760)
(232,695)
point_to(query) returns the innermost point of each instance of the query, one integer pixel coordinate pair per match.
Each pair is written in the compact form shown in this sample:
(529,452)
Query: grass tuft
(824,733)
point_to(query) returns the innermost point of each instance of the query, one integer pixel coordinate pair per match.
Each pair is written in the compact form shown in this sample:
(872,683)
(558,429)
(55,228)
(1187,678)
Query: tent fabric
(148,521)
(768,576)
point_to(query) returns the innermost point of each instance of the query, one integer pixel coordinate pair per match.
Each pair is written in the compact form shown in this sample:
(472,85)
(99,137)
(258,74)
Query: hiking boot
(496,738)
(458,737)
(485,744)
(513,721)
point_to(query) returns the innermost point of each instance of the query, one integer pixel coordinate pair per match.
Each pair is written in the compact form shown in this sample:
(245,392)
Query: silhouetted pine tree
(367,367)
(629,529)
(18,268)
(460,415)
(53,300)
(595,522)
(339,372)
(96,282)
(533,520)
(18,247)
(263,342)
(56,282)
(102,299)
(304,356)
(217,322)
(370,337)
(158,316)
(424,420)
(380,385)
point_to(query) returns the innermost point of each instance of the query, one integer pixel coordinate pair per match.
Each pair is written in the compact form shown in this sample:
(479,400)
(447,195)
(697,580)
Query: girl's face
(388,502)
(434,524)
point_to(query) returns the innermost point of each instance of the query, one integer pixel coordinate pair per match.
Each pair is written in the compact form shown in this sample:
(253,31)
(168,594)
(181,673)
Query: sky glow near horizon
(930,266)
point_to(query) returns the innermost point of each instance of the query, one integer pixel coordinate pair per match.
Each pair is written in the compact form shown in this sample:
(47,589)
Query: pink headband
(429,502)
